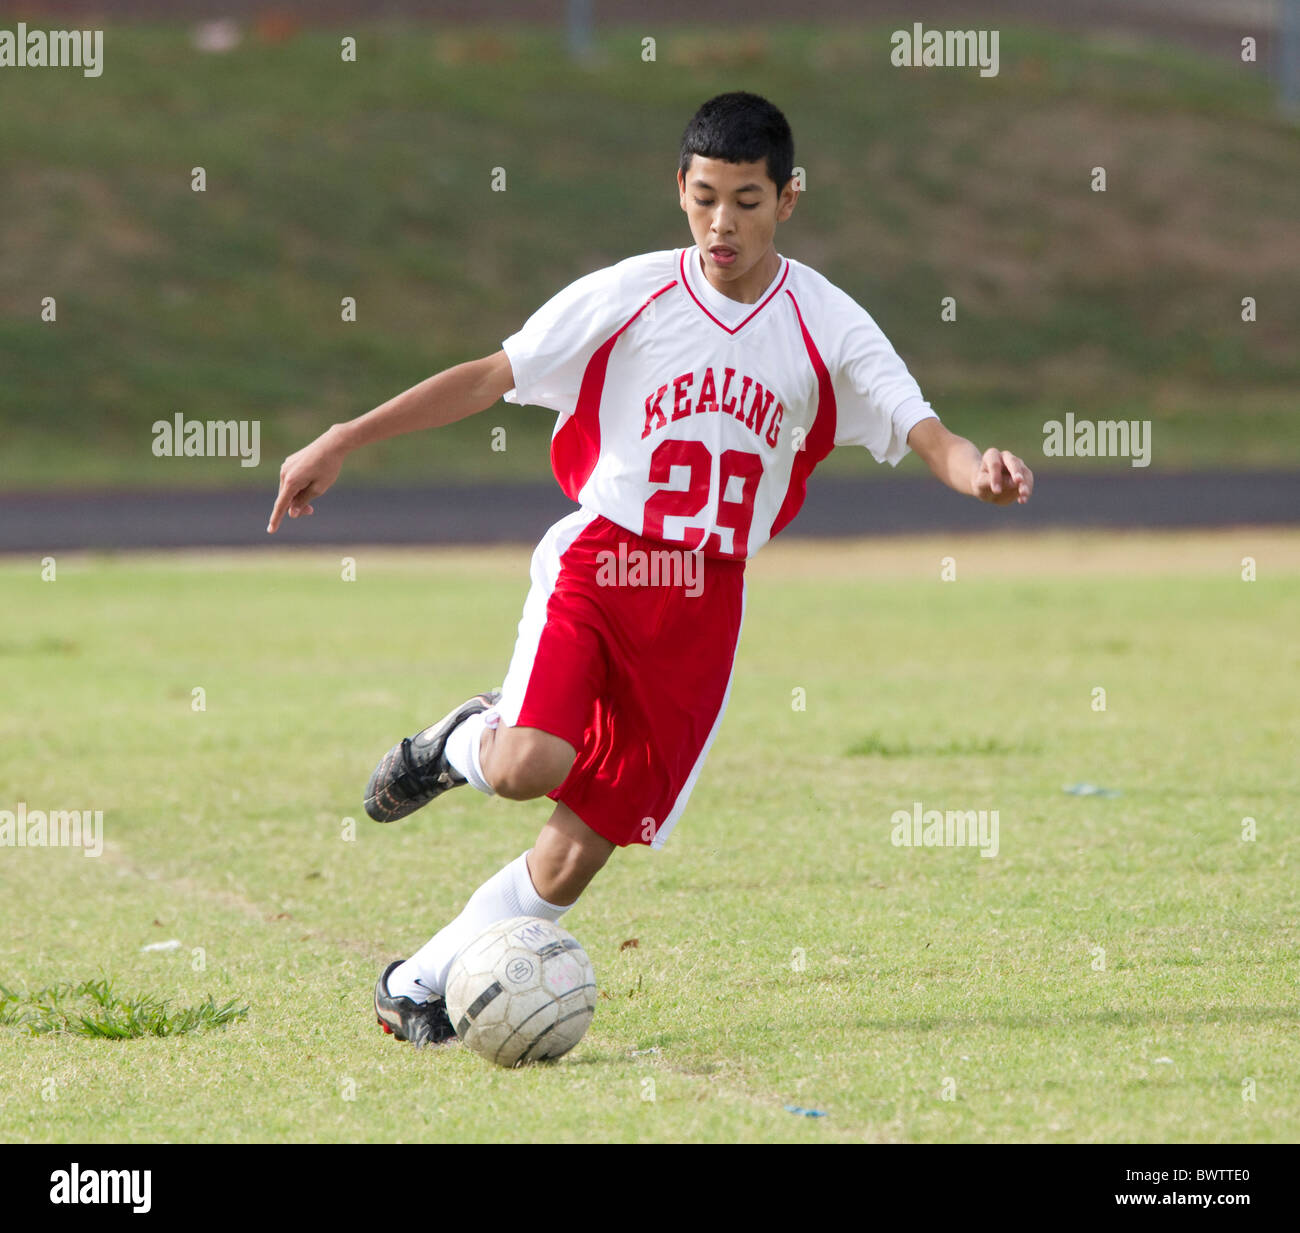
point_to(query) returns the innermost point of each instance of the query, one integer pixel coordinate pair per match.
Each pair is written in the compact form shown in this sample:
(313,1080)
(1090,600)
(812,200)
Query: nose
(723,222)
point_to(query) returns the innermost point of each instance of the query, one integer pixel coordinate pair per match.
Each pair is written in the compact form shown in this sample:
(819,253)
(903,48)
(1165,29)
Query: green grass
(787,952)
(95,1008)
(373,180)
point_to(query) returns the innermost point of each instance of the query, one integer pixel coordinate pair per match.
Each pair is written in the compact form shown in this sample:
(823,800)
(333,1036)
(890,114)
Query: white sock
(462,750)
(508,892)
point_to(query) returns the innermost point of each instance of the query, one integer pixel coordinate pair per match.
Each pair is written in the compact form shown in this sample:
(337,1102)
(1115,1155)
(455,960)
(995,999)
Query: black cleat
(414,771)
(422,1023)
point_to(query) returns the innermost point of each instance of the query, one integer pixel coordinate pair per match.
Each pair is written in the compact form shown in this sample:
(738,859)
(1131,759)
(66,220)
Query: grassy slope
(373,180)
(225,828)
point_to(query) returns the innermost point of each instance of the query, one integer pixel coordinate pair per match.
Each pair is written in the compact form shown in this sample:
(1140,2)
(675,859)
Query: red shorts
(625,650)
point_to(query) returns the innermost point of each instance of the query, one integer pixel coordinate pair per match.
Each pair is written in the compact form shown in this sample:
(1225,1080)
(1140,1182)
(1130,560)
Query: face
(733,210)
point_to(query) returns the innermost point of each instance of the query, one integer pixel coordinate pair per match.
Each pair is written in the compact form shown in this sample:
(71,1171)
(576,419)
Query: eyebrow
(744,188)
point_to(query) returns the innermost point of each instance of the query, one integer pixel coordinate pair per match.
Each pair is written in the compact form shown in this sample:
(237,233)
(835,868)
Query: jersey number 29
(738,475)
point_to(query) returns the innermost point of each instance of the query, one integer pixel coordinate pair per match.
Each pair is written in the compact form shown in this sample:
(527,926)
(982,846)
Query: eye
(698,202)
(753,206)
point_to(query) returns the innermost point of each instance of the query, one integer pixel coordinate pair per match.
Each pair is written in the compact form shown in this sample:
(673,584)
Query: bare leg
(566,856)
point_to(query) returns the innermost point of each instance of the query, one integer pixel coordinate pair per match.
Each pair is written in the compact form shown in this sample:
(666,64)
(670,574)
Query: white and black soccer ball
(522,991)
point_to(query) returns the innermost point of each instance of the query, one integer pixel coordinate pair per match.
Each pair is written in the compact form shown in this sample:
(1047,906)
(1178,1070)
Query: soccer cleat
(421,1023)
(415,770)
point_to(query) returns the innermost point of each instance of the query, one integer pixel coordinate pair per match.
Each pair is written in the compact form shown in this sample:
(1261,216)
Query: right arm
(449,396)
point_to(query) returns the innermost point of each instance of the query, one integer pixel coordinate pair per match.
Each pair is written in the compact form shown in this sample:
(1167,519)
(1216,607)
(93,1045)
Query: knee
(526,763)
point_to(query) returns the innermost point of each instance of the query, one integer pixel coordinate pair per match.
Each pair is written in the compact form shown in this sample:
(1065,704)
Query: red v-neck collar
(758,308)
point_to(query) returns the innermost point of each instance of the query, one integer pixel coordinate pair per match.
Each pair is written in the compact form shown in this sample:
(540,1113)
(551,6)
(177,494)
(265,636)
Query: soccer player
(696,391)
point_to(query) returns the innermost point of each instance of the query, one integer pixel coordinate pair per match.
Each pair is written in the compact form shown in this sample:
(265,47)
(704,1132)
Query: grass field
(1122,969)
(374,180)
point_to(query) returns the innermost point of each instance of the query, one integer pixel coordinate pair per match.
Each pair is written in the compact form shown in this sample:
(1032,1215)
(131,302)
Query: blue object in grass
(805,1112)
(1089,789)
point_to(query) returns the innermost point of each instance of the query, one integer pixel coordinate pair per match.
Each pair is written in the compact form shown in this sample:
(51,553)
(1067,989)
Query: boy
(696,391)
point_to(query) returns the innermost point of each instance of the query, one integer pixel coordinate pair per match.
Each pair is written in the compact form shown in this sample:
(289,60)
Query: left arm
(995,476)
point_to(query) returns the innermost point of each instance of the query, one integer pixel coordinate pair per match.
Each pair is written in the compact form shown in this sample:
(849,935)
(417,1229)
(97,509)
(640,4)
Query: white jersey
(695,420)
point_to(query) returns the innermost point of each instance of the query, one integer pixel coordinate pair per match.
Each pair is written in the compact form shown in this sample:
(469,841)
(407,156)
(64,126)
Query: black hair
(741,128)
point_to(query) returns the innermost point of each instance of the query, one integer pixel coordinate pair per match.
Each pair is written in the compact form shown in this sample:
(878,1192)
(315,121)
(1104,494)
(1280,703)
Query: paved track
(485,514)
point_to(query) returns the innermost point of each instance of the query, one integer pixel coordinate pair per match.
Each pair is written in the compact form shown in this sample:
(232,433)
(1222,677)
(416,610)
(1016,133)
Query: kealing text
(83,49)
(955,828)
(77,1185)
(716,398)
(1106,439)
(922,48)
(184,438)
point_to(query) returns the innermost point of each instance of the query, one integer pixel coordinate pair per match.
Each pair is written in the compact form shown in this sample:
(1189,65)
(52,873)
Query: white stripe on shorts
(544,571)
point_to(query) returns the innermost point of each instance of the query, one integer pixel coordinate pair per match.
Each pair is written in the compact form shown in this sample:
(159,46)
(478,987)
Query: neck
(749,286)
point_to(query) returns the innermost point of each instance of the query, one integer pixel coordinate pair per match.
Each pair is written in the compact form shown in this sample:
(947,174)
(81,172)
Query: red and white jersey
(695,420)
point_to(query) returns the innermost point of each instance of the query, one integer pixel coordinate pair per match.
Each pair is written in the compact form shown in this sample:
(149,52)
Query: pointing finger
(277,511)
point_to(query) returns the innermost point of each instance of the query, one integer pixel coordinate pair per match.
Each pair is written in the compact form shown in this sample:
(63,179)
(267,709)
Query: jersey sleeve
(550,353)
(877,401)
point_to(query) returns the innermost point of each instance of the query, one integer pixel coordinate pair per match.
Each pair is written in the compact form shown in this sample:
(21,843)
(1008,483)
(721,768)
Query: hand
(303,477)
(1002,478)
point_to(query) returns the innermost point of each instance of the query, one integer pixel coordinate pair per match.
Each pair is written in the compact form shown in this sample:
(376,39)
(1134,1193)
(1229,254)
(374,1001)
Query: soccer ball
(523,990)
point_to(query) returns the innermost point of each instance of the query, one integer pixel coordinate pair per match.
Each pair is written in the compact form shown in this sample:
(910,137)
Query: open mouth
(722,255)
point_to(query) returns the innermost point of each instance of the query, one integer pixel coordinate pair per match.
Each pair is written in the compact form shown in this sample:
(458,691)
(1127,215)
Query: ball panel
(523,990)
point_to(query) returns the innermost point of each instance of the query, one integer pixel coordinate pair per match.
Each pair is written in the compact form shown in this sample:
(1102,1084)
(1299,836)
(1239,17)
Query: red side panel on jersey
(821,438)
(576,446)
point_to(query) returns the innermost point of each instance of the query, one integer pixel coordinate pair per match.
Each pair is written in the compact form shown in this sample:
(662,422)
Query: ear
(681,189)
(786,202)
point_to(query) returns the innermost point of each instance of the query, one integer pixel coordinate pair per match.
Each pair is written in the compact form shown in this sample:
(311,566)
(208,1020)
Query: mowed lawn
(1123,969)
